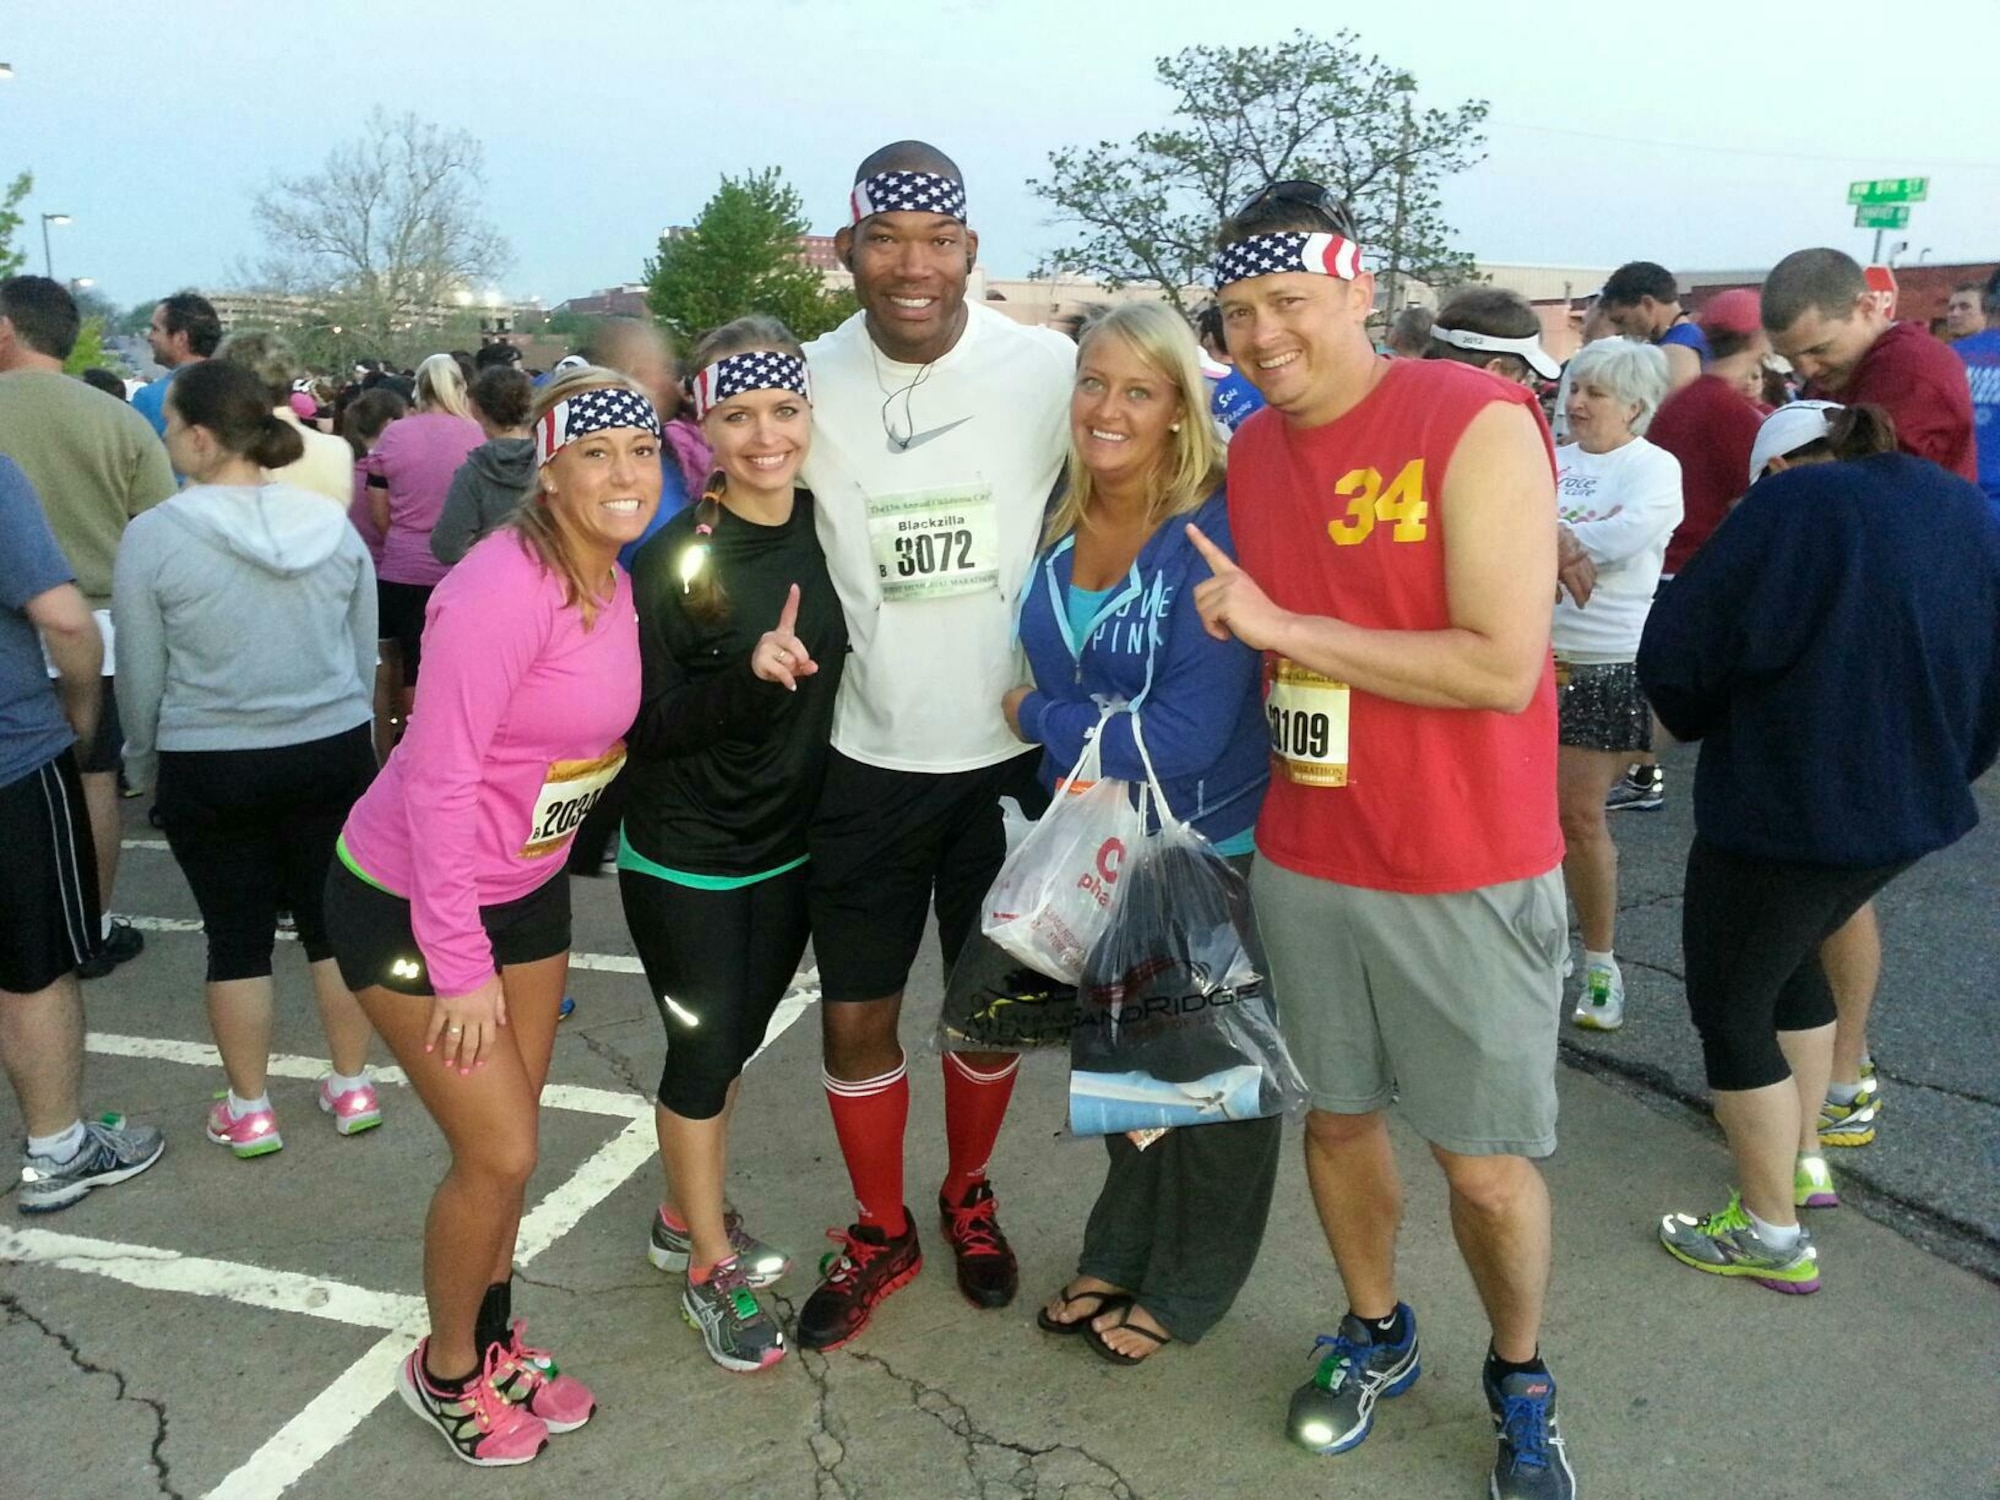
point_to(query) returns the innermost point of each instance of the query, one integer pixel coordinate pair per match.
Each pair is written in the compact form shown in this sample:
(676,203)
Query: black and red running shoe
(988,1274)
(867,1267)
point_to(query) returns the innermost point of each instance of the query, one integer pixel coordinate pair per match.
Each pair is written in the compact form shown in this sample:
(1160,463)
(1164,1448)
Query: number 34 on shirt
(1399,504)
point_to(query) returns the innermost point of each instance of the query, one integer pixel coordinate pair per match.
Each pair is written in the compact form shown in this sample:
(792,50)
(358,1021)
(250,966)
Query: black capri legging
(253,831)
(717,963)
(1751,930)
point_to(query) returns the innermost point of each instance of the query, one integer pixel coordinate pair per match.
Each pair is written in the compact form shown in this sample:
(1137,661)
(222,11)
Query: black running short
(886,847)
(399,611)
(101,755)
(49,917)
(372,939)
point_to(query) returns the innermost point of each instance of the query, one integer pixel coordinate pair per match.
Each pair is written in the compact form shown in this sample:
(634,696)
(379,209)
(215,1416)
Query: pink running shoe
(479,1424)
(256,1134)
(529,1378)
(354,1111)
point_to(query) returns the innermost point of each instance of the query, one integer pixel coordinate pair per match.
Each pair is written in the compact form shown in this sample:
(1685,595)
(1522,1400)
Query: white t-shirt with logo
(1623,507)
(929,539)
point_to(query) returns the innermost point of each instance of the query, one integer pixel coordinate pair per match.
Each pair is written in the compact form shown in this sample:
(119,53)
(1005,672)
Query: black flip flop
(1105,1352)
(1077,1325)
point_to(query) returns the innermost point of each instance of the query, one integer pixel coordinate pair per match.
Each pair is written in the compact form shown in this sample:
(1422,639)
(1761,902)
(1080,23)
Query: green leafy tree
(1309,107)
(742,256)
(89,348)
(12,257)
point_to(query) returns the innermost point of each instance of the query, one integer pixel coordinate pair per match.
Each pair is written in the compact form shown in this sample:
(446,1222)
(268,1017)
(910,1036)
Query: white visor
(1529,348)
(1787,430)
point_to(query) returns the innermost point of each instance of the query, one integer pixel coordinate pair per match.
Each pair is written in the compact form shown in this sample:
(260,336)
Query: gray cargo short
(1450,1002)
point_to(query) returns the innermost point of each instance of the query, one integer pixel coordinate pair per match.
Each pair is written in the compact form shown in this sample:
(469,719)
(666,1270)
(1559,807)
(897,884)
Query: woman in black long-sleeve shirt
(741,638)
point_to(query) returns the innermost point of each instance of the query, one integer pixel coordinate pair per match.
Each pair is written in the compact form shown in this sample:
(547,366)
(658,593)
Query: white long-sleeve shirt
(1623,507)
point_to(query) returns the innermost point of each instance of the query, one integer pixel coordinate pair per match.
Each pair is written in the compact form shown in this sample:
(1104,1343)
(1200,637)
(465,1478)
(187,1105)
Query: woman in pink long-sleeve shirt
(449,910)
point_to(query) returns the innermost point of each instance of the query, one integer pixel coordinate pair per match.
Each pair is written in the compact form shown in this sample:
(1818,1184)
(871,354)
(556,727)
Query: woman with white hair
(1619,499)
(409,474)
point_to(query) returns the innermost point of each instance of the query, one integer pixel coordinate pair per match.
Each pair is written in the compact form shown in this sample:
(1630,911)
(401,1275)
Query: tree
(742,256)
(386,235)
(1311,107)
(89,348)
(12,258)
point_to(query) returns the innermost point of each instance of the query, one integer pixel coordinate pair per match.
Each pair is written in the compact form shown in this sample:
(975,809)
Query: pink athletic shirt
(519,725)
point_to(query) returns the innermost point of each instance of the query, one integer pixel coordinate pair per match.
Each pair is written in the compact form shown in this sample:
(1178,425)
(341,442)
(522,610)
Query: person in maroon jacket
(1711,423)
(1823,318)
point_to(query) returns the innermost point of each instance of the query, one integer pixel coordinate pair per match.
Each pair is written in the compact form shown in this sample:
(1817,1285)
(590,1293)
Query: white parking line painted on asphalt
(589,1185)
(157,1270)
(325,1423)
(142,843)
(586,1101)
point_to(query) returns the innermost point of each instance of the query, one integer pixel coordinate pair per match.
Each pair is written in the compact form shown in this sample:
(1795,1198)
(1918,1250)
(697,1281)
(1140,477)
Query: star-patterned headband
(754,370)
(590,411)
(907,192)
(1269,254)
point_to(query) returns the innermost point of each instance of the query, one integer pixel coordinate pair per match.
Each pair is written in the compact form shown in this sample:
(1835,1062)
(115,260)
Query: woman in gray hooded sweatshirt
(497,475)
(248,611)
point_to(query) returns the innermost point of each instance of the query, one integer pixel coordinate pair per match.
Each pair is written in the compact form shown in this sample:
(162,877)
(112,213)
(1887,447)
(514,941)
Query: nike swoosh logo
(917,440)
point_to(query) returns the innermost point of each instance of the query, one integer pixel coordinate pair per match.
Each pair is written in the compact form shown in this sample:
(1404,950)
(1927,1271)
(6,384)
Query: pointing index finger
(788,617)
(1219,562)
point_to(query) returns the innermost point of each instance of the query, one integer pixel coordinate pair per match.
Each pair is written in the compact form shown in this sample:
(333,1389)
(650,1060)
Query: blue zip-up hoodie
(1200,699)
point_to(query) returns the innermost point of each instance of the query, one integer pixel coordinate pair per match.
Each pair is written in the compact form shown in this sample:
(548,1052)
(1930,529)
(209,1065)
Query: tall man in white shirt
(939,429)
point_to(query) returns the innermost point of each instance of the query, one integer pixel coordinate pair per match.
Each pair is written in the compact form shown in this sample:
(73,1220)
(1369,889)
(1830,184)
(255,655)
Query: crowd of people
(790,630)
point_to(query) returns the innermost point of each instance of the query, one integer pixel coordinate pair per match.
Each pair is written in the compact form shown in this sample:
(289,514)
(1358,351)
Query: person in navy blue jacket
(1836,647)
(1108,622)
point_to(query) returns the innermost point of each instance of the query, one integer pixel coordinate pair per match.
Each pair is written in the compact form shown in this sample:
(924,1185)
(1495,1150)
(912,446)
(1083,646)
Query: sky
(1703,135)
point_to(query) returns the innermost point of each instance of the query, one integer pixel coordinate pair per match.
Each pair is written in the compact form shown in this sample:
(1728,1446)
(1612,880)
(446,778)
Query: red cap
(1733,311)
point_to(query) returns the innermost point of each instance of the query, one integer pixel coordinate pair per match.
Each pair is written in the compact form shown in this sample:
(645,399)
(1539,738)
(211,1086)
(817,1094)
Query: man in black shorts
(48,921)
(939,428)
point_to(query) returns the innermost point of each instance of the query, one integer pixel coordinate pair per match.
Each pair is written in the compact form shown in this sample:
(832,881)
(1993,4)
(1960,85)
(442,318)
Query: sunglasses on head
(1304,194)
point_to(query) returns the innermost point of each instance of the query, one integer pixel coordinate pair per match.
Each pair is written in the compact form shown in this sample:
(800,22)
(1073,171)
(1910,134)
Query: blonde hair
(1194,465)
(534,522)
(441,387)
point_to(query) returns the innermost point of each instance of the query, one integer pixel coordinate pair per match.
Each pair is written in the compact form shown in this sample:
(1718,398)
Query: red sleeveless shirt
(1348,520)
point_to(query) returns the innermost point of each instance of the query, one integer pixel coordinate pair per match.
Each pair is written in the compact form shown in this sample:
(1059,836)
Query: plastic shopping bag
(1174,1024)
(1055,891)
(995,1003)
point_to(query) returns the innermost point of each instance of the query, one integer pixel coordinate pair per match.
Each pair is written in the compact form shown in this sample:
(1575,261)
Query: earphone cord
(908,393)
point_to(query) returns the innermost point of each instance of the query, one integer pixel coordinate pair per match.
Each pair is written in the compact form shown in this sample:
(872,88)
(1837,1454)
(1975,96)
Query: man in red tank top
(1396,532)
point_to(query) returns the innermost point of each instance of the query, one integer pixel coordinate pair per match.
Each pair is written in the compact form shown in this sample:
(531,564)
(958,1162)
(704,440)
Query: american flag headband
(907,192)
(755,370)
(1271,254)
(591,411)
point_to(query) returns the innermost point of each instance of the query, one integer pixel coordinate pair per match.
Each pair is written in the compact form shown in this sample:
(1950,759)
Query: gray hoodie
(245,620)
(488,487)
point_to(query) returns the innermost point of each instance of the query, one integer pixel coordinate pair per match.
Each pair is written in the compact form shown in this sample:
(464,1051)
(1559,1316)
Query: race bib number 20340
(934,544)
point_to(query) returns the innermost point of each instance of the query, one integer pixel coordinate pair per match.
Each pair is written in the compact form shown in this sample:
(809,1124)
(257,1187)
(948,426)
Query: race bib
(935,544)
(568,793)
(1308,718)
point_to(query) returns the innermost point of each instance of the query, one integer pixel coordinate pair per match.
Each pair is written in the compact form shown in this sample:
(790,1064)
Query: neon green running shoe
(1812,1185)
(1851,1124)
(1726,1244)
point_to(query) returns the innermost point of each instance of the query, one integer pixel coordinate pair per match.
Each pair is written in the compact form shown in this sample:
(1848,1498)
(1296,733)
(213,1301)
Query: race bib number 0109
(1308,719)
(934,544)
(568,793)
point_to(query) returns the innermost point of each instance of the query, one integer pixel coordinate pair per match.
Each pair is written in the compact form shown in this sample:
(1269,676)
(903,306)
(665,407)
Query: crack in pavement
(1966,1095)
(618,1062)
(16,1313)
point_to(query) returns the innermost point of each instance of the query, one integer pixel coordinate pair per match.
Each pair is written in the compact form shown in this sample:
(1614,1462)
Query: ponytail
(705,597)
(276,445)
(1860,432)
(231,402)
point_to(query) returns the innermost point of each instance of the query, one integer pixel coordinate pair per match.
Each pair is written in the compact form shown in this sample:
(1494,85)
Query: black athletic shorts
(370,931)
(886,845)
(49,915)
(100,756)
(399,612)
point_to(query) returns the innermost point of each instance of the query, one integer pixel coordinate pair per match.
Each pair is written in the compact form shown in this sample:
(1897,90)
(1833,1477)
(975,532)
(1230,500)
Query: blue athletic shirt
(33,730)
(1688,333)
(1981,353)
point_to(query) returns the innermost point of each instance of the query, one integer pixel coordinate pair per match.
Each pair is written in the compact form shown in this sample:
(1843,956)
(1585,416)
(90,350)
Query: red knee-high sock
(868,1116)
(974,1105)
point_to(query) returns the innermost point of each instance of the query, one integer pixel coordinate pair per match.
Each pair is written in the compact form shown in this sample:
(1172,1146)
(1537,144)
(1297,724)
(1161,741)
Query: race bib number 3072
(1308,719)
(934,544)
(569,791)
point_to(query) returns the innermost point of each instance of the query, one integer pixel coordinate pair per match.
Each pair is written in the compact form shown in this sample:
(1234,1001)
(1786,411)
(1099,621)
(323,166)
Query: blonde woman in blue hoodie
(246,619)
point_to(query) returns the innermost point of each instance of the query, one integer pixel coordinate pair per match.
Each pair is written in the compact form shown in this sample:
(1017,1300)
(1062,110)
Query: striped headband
(907,192)
(1271,254)
(753,370)
(590,411)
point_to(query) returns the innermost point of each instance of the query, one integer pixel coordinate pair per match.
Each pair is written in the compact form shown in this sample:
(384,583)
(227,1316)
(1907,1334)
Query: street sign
(1882,216)
(1882,286)
(1889,190)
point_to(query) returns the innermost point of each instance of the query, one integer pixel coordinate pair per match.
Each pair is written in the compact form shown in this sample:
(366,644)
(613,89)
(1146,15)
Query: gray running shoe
(1726,1244)
(739,1334)
(762,1266)
(111,1152)
(1640,789)
(1333,1411)
(1531,1463)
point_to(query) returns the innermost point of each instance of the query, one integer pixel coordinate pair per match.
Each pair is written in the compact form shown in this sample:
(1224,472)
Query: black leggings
(717,963)
(1751,931)
(254,830)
